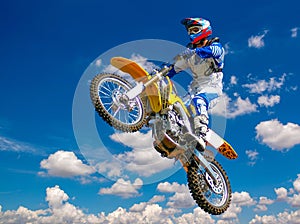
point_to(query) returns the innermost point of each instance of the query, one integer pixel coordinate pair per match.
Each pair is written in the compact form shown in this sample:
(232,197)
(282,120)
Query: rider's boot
(201,127)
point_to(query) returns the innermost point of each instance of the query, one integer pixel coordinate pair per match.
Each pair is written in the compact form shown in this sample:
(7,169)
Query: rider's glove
(172,72)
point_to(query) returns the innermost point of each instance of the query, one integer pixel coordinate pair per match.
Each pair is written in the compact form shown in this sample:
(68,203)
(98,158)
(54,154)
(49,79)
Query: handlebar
(139,88)
(165,70)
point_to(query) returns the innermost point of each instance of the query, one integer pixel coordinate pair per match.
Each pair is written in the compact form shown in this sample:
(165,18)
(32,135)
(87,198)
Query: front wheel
(106,91)
(213,198)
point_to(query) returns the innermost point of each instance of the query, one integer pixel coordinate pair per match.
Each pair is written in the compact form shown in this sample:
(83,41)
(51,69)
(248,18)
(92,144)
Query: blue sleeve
(213,51)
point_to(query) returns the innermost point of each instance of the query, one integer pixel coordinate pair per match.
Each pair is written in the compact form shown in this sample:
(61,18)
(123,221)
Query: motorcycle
(153,101)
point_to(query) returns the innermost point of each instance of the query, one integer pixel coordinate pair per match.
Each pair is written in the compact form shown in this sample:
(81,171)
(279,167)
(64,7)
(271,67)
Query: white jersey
(206,65)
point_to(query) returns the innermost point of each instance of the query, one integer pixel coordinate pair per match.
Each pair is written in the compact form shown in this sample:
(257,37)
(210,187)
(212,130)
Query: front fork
(201,161)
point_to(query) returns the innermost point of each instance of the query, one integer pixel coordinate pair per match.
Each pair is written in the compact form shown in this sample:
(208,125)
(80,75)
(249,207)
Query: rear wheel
(213,198)
(106,92)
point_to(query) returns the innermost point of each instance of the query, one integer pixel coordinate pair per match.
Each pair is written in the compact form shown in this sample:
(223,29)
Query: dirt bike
(153,102)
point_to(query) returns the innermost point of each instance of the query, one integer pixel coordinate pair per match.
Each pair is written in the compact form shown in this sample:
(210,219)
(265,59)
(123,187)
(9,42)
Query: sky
(49,50)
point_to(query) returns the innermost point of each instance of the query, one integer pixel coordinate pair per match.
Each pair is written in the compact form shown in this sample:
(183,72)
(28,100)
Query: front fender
(140,75)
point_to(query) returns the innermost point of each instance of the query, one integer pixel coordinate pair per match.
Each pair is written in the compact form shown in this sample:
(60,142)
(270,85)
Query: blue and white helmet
(197,28)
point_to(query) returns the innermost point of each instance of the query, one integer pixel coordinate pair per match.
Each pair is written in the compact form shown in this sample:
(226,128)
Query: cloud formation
(123,188)
(181,197)
(257,41)
(268,101)
(277,135)
(64,164)
(143,159)
(266,86)
(294,32)
(253,156)
(60,210)
(231,108)
(7,144)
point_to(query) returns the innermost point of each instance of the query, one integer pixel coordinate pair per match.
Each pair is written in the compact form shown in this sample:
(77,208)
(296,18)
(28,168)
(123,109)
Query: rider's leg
(201,119)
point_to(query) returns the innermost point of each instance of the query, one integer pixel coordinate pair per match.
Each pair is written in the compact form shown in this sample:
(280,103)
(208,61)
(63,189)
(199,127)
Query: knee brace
(201,124)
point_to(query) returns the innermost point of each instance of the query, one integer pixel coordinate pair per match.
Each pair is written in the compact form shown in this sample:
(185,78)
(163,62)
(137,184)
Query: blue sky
(46,46)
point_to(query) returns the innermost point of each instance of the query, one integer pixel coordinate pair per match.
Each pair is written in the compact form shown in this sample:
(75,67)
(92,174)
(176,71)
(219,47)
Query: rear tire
(202,191)
(105,92)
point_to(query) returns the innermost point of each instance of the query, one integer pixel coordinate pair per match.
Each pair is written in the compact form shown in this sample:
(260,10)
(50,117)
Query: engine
(173,124)
(167,132)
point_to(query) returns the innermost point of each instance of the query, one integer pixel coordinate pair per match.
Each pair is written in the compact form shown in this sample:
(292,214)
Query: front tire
(105,92)
(214,199)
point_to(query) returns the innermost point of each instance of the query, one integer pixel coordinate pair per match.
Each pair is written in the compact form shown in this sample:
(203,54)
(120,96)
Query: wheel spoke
(108,86)
(105,93)
(108,90)
(110,107)
(117,110)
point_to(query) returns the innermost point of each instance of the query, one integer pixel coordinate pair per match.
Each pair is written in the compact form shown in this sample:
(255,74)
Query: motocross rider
(205,58)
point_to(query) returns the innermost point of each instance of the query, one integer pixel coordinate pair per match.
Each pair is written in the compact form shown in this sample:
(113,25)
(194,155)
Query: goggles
(194,30)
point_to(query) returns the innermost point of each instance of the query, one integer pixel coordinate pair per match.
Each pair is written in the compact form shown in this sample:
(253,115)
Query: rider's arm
(179,65)
(172,72)
(215,51)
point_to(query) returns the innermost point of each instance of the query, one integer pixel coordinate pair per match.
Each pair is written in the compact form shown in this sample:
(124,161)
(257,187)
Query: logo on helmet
(197,28)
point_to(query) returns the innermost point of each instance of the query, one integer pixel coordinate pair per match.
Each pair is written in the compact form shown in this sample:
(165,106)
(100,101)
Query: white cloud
(231,214)
(56,197)
(267,219)
(252,155)
(143,159)
(262,204)
(7,144)
(268,101)
(59,211)
(262,85)
(257,41)
(198,216)
(242,199)
(296,184)
(233,80)
(294,200)
(239,199)
(110,168)
(181,197)
(98,62)
(151,213)
(133,140)
(138,207)
(65,164)
(143,62)
(278,136)
(167,187)
(141,206)
(292,217)
(281,193)
(123,188)
(294,32)
(232,108)
(157,198)
(240,107)
(293,196)
(181,200)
